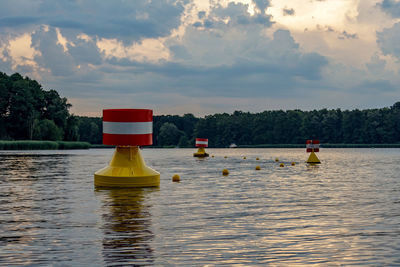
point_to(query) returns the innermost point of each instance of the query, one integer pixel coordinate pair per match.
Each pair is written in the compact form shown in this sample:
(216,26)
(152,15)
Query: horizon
(204,58)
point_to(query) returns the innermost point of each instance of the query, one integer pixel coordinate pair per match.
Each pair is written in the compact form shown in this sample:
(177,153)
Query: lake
(345,211)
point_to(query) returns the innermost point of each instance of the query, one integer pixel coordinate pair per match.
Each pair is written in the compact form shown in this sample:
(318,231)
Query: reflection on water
(126,226)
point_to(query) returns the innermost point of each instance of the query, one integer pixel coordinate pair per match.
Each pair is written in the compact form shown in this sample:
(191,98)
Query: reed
(41,145)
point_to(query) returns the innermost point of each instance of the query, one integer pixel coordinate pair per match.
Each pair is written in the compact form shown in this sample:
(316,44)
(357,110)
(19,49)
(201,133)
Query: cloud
(288,12)
(388,40)
(125,20)
(346,35)
(391,7)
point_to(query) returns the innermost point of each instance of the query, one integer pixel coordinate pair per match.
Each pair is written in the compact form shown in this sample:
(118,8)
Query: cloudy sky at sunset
(204,57)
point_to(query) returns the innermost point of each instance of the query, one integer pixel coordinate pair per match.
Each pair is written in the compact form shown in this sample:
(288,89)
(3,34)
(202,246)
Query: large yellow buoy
(127,129)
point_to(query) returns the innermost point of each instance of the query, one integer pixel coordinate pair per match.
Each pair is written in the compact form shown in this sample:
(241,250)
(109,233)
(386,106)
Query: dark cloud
(389,39)
(125,20)
(376,86)
(346,35)
(288,12)
(391,7)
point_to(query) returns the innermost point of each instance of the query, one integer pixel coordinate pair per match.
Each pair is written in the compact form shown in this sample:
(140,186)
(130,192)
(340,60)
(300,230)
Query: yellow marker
(276,159)
(212,156)
(127,169)
(258,168)
(293,163)
(176,178)
(244,157)
(313,158)
(225,157)
(281,165)
(225,172)
(257,159)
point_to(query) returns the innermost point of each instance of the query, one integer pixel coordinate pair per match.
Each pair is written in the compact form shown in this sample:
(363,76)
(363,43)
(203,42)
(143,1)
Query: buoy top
(312,145)
(201,142)
(128,127)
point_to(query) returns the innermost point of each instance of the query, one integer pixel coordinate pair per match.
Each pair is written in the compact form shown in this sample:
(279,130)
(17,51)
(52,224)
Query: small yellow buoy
(225,172)
(276,159)
(257,158)
(176,178)
(225,157)
(281,165)
(293,163)
(244,157)
(258,168)
(212,156)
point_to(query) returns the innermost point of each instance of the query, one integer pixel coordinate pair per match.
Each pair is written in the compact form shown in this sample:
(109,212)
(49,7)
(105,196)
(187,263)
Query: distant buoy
(281,165)
(244,157)
(212,156)
(293,163)
(201,143)
(225,172)
(276,159)
(257,158)
(176,178)
(258,168)
(225,157)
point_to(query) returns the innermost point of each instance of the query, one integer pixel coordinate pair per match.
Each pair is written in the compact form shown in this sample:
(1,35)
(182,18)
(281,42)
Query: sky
(206,56)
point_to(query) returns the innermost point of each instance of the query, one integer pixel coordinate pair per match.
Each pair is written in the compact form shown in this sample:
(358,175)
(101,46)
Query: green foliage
(29,112)
(47,130)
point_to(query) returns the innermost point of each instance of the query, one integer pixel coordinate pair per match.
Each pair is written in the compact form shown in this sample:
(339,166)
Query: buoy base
(313,158)
(201,153)
(127,169)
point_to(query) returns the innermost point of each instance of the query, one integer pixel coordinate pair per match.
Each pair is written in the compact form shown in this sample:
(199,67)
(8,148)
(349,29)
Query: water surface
(345,211)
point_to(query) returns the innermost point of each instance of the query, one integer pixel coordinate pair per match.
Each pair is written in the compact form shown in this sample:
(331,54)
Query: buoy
(225,157)
(225,172)
(312,146)
(244,157)
(281,165)
(127,129)
(201,143)
(276,159)
(258,168)
(176,178)
(212,156)
(257,159)
(293,163)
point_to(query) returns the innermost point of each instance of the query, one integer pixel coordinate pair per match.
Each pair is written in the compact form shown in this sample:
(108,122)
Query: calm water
(344,212)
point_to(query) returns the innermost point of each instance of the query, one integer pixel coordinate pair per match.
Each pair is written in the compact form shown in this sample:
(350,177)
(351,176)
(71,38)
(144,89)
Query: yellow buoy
(212,156)
(313,158)
(258,168)
(257,159)
(276,159)
(293,163)
(281,165)
(244,157)
(225,172)
(176,178)
(201,153)
(225,157)
(127,169)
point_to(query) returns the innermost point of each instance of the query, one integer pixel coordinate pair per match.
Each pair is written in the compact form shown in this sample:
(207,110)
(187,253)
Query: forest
(28,112)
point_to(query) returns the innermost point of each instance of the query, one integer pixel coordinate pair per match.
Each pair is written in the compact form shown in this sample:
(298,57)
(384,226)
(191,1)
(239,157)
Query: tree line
(28,112)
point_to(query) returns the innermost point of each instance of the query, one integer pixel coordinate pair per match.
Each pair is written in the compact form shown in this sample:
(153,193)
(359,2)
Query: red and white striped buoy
(128,127)
(201,142)
(312,145)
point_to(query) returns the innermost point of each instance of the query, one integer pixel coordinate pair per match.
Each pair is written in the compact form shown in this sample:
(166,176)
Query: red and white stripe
(312,145)
(128,127)
(201,142)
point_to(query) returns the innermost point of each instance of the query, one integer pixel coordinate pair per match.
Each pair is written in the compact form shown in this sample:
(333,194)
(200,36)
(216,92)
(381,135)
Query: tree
(169,135)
